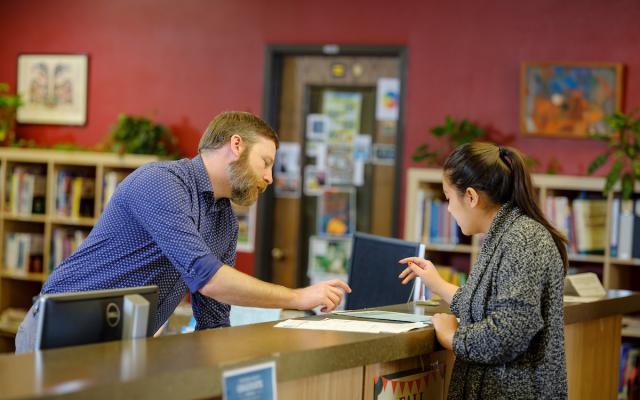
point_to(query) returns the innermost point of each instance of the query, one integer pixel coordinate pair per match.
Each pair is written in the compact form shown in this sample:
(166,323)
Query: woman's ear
(471,197)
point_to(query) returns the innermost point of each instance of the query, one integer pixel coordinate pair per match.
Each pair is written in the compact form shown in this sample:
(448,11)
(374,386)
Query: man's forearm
(231,286)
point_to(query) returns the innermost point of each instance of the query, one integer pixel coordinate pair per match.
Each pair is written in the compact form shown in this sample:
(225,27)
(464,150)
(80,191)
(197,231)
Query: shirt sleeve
(454,306)
(208,312)
(229,256)
(514,317)
(169,219)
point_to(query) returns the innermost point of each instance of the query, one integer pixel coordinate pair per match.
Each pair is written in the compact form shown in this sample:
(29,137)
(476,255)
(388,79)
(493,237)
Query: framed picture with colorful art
(53,88)
(569,99)
(336,215)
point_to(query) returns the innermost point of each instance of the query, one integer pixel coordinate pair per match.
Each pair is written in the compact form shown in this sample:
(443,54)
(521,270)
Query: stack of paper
(345,325)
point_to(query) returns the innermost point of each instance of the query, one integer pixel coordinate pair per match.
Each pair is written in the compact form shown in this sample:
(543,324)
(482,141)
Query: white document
(345,325)
(387,315)
(578,299)
(584,285)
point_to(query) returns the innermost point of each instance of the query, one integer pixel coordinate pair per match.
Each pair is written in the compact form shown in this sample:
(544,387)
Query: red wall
(182,62)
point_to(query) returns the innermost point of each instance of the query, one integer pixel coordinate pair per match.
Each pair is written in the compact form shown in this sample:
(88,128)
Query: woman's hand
(425,269)
(429,275)
(446,326)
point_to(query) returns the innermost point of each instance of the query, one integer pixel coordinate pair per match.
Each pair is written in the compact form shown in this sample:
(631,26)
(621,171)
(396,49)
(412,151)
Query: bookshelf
(50,200)
(570,202)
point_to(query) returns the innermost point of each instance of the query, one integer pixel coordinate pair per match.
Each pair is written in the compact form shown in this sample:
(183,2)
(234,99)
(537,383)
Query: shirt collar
(203,183)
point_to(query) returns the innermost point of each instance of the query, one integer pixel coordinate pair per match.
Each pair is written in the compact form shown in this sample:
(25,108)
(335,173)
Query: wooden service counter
(309,364)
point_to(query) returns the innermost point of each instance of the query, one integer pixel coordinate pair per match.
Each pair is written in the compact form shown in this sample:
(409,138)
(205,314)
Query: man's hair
(229,123)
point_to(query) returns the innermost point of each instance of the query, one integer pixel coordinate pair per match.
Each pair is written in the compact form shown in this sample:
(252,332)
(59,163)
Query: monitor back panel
(374,270)
(83,318)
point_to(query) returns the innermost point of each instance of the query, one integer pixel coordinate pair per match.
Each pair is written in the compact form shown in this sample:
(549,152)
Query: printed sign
(256,382)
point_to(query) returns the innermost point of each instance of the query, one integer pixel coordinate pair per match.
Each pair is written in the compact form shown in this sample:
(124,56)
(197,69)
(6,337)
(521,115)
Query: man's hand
(327,294)
(446,326)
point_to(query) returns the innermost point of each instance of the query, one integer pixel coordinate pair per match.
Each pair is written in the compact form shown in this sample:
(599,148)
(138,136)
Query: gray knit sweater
(510,343)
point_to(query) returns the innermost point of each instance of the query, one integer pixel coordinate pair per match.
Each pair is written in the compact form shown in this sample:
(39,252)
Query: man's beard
(245,184)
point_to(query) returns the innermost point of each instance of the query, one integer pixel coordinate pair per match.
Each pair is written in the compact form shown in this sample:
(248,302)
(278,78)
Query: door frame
(274,55)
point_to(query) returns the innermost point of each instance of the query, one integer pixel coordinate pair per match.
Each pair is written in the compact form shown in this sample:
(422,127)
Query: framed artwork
(384,154)
(569,99)
(53,88)
(317,127)
(286,171)
(246,217)
(337,212)
(343,110)
(329,255)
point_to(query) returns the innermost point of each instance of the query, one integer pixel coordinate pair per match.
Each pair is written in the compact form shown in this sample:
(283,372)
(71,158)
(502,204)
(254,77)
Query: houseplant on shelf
(8,105)
(456,132)
(140,135)
(622,151)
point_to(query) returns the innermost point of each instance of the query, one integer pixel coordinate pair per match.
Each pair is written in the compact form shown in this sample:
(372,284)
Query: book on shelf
(74,195)
(434,223)
(451,275)
(27,189)
(582,220)
(64,243)
(629,379)
(23,252)
(590,221)
(627,239)
(111,180)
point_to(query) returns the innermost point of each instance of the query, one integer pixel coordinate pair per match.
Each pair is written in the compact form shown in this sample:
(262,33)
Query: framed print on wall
(53,88)
(568,99)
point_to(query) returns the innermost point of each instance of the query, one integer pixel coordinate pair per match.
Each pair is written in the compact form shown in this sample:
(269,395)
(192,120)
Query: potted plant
(8,105)
(623,148)
(456,132)
(140,135)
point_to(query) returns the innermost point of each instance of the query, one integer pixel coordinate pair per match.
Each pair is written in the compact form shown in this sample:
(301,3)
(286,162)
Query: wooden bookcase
(38,211)
(615,273)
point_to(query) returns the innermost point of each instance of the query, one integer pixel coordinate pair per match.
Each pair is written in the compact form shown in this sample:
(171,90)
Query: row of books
(434,223)
(27,188)
(65,242)
(625,228)
(582,220)
(629,381)
(23,252)
(74,195)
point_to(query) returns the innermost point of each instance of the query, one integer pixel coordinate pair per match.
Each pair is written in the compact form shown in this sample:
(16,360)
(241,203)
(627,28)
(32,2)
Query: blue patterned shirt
(161,227)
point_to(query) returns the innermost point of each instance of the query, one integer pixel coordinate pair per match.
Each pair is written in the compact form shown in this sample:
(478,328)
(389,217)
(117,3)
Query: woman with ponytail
(509,341)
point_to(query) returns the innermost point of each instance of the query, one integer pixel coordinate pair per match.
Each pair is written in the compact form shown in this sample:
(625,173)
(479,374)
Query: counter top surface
(190,366)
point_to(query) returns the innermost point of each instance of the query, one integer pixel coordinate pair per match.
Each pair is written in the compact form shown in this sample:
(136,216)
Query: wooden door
(303,80)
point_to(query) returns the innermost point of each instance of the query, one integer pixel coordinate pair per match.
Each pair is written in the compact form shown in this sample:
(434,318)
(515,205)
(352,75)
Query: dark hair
(229,123)
(501,174)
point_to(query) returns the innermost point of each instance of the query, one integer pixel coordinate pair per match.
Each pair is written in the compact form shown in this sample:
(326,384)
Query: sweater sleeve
(514,317)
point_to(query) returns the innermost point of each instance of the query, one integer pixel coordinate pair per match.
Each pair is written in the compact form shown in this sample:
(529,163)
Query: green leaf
(635,164)
(597,163)
(628,181)
(613,176)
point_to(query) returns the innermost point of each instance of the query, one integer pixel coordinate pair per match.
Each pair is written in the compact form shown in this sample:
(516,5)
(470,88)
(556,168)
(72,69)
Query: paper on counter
(579,299)
(387,315)
(345,325)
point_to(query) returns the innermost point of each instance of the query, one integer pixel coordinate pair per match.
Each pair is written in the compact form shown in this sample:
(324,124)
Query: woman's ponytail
(524,195)
(501,173)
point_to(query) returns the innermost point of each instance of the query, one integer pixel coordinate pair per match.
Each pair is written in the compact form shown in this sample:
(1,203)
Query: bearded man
(171,224)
